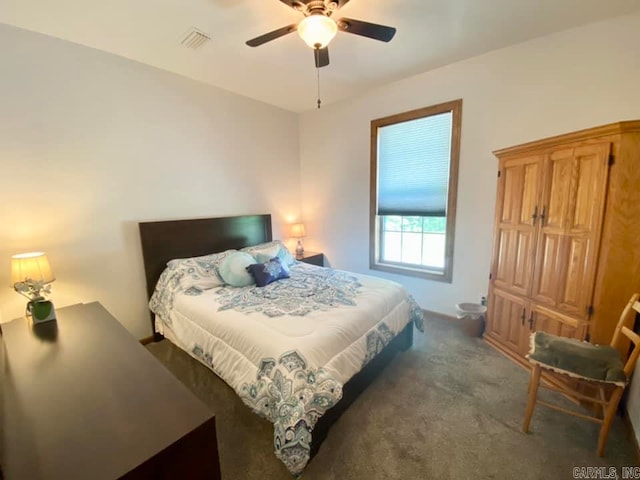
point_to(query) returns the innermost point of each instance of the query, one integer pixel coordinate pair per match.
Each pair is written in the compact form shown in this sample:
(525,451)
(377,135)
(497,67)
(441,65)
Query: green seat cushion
(577,359)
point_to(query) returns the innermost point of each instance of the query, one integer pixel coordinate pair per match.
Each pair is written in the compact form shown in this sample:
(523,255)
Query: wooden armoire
(566,251)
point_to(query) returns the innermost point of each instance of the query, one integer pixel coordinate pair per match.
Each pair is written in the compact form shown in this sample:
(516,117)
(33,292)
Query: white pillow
(200,272)
(233,269)
(266,248)
(263,255)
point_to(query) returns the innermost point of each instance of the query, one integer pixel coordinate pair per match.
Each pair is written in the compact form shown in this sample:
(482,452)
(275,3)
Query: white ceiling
(431,33)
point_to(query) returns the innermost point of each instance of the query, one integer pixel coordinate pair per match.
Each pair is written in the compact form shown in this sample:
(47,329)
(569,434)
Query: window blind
(413,166)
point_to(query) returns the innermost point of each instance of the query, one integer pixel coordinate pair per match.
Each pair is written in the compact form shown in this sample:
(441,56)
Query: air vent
(194,39)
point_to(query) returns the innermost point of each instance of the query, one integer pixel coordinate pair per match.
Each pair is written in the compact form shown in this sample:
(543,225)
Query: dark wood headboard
(166,240)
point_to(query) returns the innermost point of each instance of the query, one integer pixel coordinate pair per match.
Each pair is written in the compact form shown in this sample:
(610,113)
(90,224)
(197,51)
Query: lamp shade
(297,230)
(317,30)
(34,266)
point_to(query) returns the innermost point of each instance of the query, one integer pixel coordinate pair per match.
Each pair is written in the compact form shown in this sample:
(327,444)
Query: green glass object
(41,311)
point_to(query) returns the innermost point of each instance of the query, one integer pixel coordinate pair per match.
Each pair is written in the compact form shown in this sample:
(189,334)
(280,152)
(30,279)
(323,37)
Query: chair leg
(603,397)
(610,412)
(534,382)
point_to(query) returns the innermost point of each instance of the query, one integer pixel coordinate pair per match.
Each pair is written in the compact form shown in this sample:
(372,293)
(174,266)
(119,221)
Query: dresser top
(81,396)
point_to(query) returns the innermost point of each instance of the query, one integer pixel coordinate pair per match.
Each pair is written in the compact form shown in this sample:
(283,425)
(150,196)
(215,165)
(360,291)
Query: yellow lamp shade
(317,30)
(297,230)
(34,266)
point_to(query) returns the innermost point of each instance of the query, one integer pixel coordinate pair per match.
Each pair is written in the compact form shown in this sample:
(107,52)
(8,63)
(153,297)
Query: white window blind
(413,166)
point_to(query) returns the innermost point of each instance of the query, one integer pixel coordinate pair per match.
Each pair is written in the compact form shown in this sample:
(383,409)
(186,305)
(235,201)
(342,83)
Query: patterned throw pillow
(268,272)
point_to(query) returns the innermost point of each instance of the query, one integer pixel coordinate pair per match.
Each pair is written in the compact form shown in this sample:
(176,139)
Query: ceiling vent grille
(194,39)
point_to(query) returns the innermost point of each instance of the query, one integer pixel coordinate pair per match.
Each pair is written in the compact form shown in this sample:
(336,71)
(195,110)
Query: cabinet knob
(524,315)
(534,217)
(531,321)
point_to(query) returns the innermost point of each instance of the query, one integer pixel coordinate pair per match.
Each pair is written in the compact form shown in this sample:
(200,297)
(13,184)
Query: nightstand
(312,258)
(83,399)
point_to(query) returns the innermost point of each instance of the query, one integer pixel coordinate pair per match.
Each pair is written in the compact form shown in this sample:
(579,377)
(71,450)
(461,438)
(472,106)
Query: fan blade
(366,29)
(321,56)
(267,37)
(295,4)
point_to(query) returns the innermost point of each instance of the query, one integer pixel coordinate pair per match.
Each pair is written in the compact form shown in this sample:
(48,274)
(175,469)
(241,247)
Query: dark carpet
(449,408)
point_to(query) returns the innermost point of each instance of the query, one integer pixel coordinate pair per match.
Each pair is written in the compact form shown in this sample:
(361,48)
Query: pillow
(200,272)
(263,255)
(268,272)
(267,249)
(233,269)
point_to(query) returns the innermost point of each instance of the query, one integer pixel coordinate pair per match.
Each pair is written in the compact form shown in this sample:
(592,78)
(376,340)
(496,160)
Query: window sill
(412,272)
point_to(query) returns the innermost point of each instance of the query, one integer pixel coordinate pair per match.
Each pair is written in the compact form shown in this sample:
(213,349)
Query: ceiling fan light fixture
(317,30)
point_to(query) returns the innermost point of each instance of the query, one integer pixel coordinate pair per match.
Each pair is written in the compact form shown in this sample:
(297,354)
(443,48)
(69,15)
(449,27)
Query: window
(414,174)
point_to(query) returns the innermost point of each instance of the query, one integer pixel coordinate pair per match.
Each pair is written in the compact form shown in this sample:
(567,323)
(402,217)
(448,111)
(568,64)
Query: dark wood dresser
(81,398)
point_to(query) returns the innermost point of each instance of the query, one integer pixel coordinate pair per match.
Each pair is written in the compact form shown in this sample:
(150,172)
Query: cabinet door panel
(547,278)
(573,199)
(524,261)
(577,261)
(588,183)
(531,172)
(557,190)
(502,271)
(584,224)
(514,248)
(506,321)
(555,203)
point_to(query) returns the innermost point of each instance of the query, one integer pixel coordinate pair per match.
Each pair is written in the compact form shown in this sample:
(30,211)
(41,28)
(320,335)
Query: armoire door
(506,321)
(515,226)
(572,207)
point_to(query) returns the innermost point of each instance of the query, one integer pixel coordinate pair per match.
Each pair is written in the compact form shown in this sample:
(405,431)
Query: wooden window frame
(455,107)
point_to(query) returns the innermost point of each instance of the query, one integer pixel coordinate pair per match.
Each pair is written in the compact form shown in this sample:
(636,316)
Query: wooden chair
(600,368)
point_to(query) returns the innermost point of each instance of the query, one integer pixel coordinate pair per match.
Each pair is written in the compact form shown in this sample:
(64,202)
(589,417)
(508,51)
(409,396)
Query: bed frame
(166,240)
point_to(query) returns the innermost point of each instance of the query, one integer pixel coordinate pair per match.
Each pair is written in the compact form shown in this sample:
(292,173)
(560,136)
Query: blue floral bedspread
(307,290)
(287,390)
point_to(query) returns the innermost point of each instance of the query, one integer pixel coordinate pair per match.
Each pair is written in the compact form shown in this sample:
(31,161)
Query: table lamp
(31,277)
(297,231)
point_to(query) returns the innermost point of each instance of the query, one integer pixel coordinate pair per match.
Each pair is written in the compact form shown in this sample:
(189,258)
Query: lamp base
(299,249)
(41,311)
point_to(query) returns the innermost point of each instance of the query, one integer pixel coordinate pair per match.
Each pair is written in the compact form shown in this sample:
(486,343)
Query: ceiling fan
(317,29)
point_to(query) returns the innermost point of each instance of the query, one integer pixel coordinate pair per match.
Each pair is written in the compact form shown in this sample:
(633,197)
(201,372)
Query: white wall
(556,84)
(633,403)
(91,143)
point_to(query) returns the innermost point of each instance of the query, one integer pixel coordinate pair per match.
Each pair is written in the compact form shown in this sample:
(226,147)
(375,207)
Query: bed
(297,351)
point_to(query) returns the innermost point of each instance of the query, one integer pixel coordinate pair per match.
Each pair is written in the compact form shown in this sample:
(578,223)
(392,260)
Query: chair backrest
(624,331)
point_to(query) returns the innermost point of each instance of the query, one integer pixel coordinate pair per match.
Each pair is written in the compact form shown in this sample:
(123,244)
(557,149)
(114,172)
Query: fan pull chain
(319,101)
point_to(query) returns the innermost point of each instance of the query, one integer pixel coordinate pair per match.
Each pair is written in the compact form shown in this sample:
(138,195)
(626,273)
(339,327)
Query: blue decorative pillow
(233,269)
(265,273)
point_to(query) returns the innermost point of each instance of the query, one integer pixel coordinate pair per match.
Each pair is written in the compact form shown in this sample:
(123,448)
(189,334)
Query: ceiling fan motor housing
(318,7)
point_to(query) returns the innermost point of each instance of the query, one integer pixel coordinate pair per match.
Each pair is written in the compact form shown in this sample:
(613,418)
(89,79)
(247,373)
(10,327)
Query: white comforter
(288,348)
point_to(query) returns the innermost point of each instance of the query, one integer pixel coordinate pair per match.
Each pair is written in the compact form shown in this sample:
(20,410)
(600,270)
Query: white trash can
(471,316)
